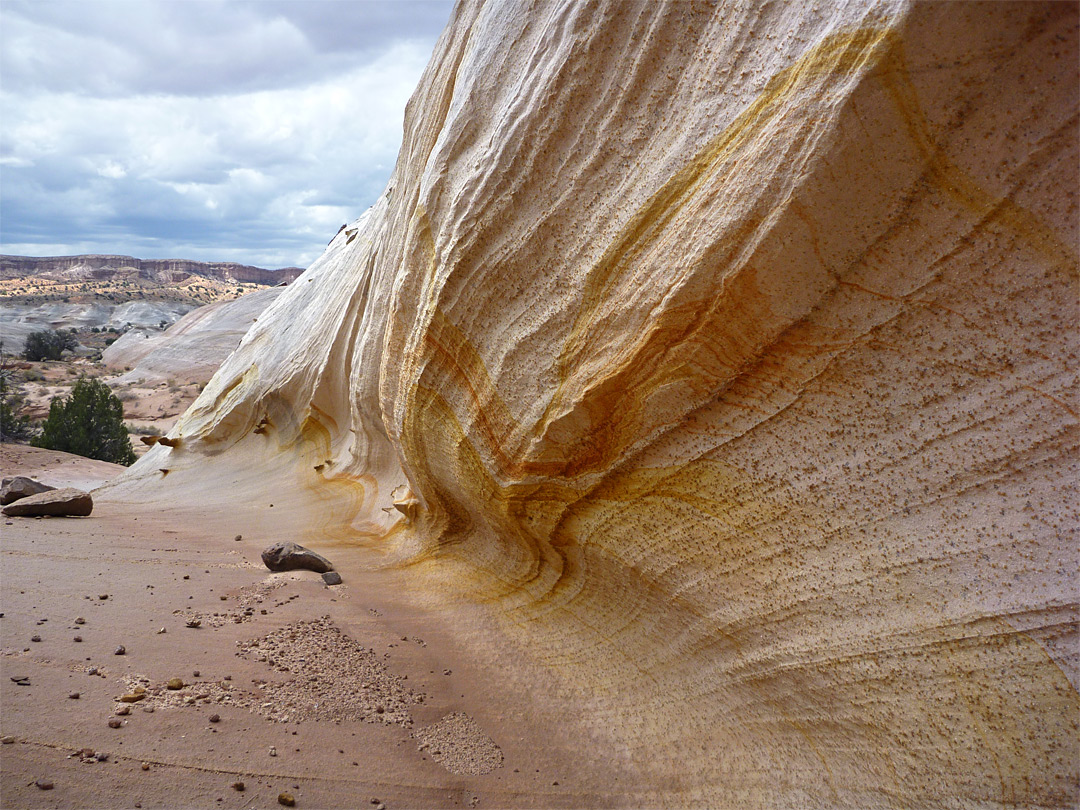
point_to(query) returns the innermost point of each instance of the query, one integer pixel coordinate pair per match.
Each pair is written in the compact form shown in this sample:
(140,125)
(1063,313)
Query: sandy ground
(364,697)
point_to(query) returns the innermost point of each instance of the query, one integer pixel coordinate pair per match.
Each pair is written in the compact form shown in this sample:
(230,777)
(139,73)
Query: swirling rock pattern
(726,355)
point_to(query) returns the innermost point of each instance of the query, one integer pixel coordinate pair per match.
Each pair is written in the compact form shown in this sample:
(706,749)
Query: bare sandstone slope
(190,350)
(721,365)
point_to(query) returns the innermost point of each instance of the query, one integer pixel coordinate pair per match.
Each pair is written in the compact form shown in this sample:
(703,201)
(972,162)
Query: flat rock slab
(293,557)
(67,502)
(17,487)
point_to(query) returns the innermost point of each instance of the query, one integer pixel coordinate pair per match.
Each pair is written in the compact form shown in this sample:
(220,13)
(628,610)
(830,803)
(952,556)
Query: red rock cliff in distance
(723,358)
(166,270)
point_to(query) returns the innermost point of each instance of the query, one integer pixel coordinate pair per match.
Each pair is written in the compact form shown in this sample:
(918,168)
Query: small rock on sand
(44,784)
(286,799)
(332,578)
(19,487)
(67,502)
(175,683)
(291,557)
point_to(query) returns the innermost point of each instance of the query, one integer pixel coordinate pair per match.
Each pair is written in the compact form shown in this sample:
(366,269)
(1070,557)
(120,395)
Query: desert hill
(117,292)
(165,271)
(191,349)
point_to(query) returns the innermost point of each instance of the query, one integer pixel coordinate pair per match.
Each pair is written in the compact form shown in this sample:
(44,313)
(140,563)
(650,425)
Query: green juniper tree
(13,427)
(48,344)
(88,423)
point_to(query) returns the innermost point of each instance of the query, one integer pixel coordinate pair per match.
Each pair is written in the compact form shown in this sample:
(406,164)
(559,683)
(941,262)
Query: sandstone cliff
(719,365)
(190,350)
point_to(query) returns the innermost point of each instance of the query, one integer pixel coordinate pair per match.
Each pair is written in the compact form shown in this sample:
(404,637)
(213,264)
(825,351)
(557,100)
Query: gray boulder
(67,502)
(291,557)
(16,487)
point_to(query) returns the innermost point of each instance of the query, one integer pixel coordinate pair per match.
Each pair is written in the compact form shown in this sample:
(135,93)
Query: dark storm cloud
(203,129)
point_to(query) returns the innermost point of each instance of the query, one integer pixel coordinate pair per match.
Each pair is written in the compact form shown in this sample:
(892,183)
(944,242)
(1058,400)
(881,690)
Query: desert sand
(378,702)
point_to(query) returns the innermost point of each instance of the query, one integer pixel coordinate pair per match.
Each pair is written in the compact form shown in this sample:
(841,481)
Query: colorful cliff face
(727,359)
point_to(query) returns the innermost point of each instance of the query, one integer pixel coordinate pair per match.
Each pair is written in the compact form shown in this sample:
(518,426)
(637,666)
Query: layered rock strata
(726,358)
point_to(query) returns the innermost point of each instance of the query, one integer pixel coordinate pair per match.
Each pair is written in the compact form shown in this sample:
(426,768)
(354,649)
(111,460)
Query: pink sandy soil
(159,568)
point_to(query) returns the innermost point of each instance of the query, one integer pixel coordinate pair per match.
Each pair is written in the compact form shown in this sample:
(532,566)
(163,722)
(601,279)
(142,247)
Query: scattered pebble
(73,695)
(214,718)
(238,538)
(120,650)
(92,671)
(273,751)
(77,638)
(115,723)
(35,638)
(148,709)
(161,630)
(44,784)
(195,673)
(80,620)
(193,622)
(122,711)
(239,787)
(285,799)
(103,596)
(133,697)
(145,766)
(7,740)
(175,683)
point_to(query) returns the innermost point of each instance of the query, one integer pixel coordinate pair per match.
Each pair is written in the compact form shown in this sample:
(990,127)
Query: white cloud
(280,145)
(112,169)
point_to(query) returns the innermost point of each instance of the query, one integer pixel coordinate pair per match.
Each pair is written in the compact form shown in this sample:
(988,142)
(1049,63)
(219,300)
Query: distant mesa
(92,267)
(118,292)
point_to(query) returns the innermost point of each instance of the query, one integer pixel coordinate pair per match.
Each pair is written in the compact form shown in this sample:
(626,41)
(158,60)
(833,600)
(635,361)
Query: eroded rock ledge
(728,357)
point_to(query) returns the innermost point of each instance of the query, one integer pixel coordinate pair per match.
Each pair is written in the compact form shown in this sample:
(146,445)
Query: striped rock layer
(723,358)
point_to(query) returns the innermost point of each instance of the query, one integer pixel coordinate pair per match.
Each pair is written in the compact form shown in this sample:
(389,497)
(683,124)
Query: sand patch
(459,745)
(243,608)
(335,677)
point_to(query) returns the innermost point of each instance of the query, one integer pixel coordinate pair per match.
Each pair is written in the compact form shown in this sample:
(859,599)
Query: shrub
(48,344)
(13,427)
(88,423)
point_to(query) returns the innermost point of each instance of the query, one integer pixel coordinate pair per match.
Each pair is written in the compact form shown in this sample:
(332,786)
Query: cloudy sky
(217,130)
